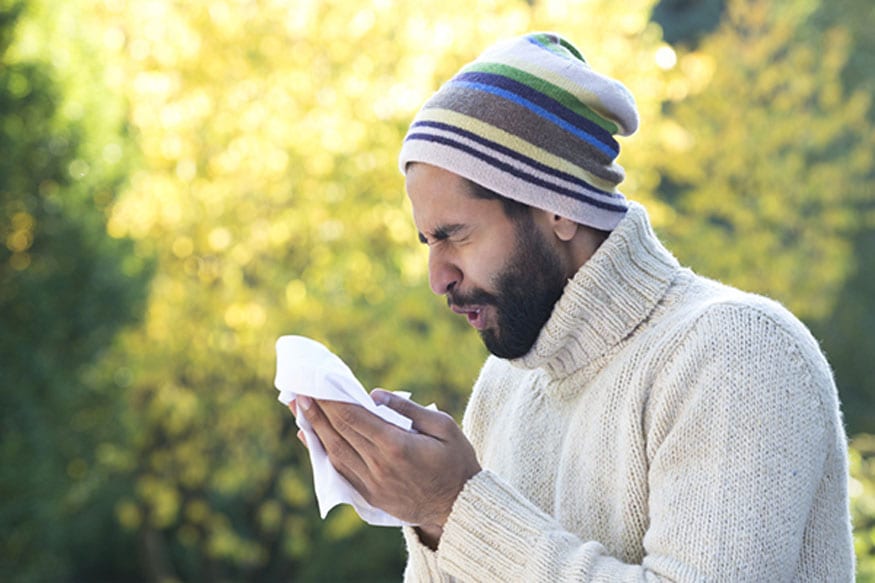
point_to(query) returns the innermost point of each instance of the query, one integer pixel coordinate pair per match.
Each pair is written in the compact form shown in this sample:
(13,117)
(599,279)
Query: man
(636,421)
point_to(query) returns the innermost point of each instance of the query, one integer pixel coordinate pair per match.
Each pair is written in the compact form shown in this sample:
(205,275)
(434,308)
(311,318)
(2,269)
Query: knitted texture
(664,427)
(530,120)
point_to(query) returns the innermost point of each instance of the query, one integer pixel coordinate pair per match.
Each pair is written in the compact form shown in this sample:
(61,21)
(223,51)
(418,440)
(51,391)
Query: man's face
(502,274)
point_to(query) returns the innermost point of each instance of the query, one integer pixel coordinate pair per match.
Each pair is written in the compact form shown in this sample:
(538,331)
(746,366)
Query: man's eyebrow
(442,232)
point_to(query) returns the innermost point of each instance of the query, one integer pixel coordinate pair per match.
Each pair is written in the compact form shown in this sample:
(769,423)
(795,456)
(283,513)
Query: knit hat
(530,120)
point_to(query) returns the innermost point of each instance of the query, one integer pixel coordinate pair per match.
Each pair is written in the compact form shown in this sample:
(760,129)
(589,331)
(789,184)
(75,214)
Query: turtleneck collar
(609,296)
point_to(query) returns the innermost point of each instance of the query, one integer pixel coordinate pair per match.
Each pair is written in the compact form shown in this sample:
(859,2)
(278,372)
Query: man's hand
(415,477)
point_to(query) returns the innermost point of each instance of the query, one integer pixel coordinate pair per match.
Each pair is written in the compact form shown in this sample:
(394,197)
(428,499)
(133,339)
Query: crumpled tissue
(306,367)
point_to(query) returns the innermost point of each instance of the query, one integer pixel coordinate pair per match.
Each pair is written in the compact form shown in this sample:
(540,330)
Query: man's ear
(564,228)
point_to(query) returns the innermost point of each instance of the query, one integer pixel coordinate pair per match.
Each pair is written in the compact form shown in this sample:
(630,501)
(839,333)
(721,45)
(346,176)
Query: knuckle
(446,421)
(446,417)
(394,448)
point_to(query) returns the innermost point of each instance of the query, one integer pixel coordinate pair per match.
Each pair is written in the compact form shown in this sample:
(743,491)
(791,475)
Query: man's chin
(502,349)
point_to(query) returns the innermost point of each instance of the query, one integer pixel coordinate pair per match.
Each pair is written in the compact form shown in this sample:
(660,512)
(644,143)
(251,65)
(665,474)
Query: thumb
(430,422)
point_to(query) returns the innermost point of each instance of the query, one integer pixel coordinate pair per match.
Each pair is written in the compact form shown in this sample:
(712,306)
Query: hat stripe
(537,109)
(520,142)
(546,87)
(519,173)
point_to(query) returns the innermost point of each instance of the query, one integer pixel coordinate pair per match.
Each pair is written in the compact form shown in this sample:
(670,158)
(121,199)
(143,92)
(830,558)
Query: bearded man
(635,421)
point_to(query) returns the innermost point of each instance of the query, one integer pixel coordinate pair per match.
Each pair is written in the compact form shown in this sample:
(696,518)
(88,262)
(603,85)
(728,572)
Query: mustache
(476,297)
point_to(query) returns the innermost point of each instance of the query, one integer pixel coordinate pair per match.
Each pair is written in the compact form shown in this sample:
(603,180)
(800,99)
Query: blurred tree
(687,21)
(845,332)
(66,288)
(767,160)
(862,486)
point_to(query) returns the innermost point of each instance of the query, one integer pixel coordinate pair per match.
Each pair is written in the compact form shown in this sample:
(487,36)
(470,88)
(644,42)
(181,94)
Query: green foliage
(687,21)
(65,290)
(858,18)
(862,461)
(845,331)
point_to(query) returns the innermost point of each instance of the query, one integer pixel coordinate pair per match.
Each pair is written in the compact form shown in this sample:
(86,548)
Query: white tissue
(306,367)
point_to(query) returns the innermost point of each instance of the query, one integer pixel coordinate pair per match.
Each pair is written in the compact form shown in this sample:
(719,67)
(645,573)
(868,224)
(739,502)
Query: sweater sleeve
(742,434)
(422,566)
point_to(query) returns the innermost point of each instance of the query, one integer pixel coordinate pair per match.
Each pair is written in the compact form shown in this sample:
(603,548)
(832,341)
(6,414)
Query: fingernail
(380,397)
(304,402)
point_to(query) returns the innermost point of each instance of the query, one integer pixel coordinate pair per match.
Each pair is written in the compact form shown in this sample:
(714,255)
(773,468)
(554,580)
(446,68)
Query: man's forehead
(432,189)
(424,176)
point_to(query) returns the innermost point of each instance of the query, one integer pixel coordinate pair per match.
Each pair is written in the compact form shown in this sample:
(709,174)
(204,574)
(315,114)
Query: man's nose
(443,275)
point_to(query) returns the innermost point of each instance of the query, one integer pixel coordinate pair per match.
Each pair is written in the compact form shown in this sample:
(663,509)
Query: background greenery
(182,182)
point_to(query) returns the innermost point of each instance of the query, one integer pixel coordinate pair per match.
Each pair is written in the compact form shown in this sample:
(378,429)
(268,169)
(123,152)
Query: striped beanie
(529,120)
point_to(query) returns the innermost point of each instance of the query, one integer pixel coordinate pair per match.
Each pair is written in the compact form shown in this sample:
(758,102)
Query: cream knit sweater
(664,427)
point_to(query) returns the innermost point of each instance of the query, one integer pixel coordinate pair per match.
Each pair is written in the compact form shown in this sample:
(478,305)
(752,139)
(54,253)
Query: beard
(528,287)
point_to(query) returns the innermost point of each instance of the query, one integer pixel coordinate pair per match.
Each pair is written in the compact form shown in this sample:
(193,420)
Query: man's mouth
(474,315)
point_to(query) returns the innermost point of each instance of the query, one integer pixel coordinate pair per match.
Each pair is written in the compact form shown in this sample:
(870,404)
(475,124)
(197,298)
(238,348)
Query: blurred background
(181,182)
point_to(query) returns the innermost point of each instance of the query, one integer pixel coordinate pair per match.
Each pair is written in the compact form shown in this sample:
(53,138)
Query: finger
(302,438)
(343,455)
(361,428)
(435,423)
(293,407)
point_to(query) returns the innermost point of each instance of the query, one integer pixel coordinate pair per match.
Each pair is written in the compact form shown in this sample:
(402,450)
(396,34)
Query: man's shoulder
(712,300)
(715,323)
(743,348)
